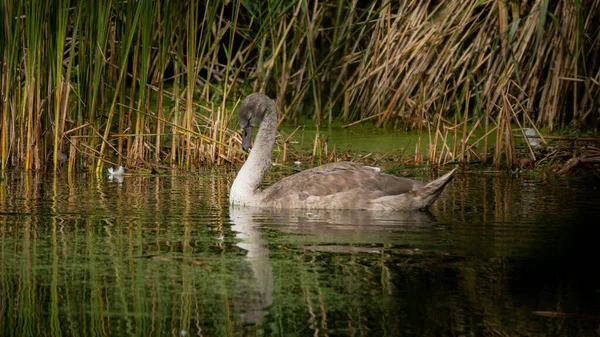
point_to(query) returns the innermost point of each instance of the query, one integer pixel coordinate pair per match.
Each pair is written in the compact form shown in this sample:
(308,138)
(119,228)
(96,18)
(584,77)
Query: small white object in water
(117,178)
(312,215)
(116,172)
(116,175)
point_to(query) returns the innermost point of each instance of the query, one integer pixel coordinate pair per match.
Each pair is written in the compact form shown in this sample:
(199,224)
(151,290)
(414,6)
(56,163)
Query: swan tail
(432,190)
(415,200)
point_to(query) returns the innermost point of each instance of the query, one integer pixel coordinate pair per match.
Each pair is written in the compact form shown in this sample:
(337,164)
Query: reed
(153,83)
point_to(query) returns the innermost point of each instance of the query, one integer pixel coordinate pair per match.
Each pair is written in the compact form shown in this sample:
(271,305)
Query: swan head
(252,110)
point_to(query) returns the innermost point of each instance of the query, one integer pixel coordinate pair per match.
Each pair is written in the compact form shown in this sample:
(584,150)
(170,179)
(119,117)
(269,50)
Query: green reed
(60,85)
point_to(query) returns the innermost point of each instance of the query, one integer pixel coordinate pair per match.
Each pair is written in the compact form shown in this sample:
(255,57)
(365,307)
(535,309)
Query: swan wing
(342,183)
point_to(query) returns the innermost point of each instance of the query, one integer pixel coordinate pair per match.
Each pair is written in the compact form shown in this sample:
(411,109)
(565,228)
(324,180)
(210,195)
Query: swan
(341,185)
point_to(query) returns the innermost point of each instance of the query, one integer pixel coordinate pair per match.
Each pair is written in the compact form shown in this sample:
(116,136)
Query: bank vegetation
(153,84)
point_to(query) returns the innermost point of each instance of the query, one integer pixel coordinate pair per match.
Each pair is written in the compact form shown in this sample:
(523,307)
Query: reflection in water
(253,302)
(327,226)
(165,255)
(116,178)
(343,230)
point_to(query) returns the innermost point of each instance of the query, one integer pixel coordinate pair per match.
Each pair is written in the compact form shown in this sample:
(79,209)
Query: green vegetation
(156,83)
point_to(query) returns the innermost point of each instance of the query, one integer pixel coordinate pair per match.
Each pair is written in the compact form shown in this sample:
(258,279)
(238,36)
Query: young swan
(343,185)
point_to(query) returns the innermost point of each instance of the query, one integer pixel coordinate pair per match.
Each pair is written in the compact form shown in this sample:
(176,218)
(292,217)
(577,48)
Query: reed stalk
(122,70)
(60,81)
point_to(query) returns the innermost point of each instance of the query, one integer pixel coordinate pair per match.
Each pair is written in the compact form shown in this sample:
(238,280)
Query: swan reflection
(327,231)
(255,292)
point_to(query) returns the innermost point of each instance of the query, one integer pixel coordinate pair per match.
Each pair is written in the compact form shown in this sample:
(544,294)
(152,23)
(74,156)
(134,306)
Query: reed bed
(155,84)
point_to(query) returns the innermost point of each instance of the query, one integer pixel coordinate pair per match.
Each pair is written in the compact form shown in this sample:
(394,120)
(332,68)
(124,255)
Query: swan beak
(246,138)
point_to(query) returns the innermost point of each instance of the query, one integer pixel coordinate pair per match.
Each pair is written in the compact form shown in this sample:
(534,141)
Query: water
(166,256)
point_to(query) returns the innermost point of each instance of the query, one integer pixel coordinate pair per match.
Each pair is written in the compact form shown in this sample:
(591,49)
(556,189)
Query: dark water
(165,256)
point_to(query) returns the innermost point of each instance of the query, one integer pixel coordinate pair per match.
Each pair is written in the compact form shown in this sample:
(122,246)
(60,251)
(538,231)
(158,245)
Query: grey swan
(341,185)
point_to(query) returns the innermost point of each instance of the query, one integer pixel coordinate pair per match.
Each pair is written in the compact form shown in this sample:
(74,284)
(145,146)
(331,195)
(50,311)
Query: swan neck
(246,186)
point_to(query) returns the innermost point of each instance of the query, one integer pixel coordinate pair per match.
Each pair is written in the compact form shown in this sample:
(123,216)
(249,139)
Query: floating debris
(312,215)
(117,172)
(116,175)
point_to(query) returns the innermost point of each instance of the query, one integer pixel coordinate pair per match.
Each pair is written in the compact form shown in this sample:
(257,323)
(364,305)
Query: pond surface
(166,256)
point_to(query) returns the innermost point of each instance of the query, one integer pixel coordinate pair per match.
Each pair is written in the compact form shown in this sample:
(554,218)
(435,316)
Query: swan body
(342,185)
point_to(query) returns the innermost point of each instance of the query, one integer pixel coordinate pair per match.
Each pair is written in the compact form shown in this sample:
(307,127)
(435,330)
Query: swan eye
(244,125)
